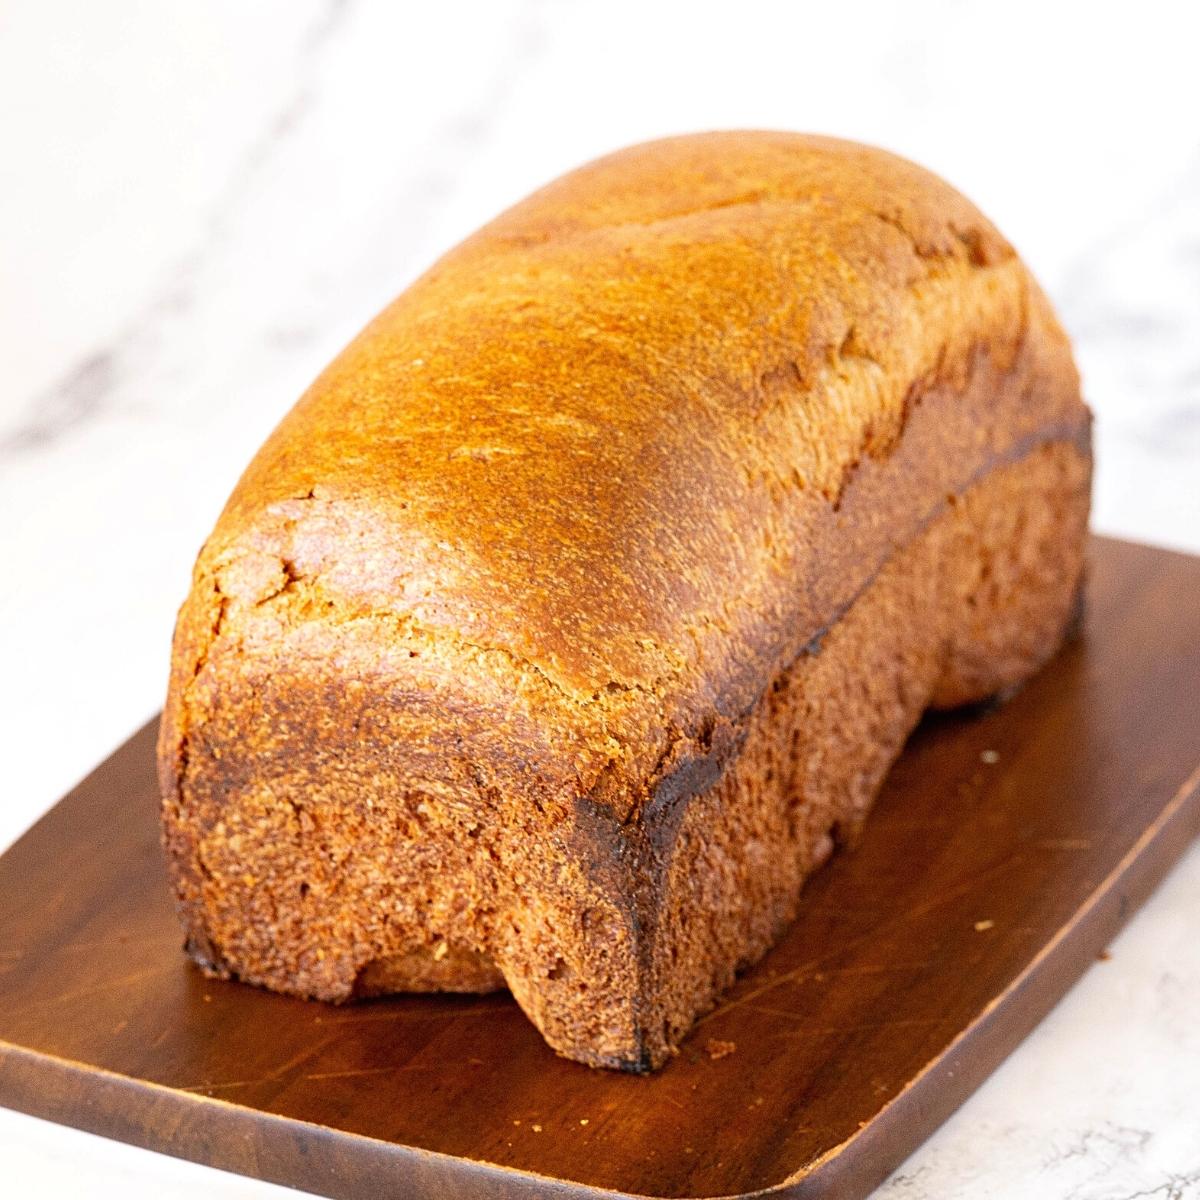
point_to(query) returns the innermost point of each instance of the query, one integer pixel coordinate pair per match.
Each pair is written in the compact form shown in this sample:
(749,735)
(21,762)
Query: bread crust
(470,681)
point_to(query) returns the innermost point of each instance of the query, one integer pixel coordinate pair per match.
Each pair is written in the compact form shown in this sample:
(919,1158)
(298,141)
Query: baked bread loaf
(577,611)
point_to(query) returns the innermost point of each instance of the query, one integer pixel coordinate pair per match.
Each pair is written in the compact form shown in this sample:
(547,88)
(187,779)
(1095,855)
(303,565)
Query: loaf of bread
(576,613)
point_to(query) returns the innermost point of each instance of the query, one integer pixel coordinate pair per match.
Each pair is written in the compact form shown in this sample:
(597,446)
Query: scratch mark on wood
(963,888)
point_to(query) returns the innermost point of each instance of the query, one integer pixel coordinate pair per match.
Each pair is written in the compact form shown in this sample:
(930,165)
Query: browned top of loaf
(578,455)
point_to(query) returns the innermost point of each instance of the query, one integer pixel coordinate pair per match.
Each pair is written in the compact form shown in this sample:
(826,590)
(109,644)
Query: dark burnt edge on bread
(696,768)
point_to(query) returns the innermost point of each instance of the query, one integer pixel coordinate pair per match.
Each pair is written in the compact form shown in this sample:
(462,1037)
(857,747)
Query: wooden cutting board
(1006,850)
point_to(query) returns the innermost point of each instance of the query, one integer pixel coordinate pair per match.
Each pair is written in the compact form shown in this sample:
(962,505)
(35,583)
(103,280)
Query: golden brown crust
(543,537)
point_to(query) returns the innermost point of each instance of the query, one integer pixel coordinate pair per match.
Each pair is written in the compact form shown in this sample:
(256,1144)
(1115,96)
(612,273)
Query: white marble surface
(200,203)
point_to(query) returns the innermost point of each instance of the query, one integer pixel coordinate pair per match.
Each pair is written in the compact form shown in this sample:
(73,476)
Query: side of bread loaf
(581,605)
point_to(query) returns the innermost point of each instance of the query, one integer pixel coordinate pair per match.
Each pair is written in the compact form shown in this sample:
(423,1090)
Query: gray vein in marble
(1113,1149)
(906,1182)
(85,390)
(1121,1141)
(92,386)
(1132,305)
(472,128)
(76,397)
(327,24)
(1174,1187)
(284,123)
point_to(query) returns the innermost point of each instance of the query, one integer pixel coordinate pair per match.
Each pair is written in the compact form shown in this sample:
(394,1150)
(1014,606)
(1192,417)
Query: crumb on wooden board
(718,1048)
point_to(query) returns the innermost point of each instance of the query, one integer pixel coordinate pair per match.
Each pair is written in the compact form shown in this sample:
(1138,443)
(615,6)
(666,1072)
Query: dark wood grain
(1007,849)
